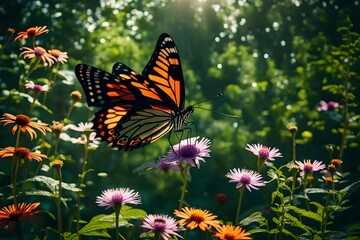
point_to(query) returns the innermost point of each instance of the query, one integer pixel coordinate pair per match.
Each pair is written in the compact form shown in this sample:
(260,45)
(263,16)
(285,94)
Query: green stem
(184,186)
(58,203)
(70,110)
(16,164)
(6,43)
(82,176)
(117,213)
(293,146)
(57,145)
(37,94)
(239,205)
(325,217)
(31,70)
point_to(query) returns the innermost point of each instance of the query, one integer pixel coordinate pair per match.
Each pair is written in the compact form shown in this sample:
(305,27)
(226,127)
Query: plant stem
(293,144)
(82,176)
(117,213)
(32,68)
(37,94)
(185,174)
(58,203)
(241,190)
(16,163)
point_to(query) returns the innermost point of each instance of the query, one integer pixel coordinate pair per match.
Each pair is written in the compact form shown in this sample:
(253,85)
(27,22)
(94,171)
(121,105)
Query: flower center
(160,225)
(245,179)
(39,51)
(117,198)
(197,216)
(308,167)
(21,152)
(31,31)
(22,120)
(229,236)
(264,152)
(189,151)
(37,88)
(15,215)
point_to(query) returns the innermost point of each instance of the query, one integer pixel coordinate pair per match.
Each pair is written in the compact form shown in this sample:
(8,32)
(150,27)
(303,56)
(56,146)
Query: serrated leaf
(350,189)
(255,217)
(52,184)
(316,190)
(96,226)
(293,221)
(305,213)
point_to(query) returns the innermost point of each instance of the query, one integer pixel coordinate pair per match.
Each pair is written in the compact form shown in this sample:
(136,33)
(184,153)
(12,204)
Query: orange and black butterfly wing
(164,73)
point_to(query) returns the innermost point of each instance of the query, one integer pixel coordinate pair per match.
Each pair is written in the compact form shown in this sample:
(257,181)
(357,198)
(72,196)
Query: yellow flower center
(21,152)
(22,120)
(197,216)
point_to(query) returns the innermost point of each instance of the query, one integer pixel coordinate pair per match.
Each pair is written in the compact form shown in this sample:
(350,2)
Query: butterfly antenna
(211,99)
(220,113)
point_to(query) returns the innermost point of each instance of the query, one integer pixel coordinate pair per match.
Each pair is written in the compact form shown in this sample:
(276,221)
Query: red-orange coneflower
(24,123)
(59,56)
(22,153)
(229,232)
(196,218)
(32,31)
(38,52)
(11,215)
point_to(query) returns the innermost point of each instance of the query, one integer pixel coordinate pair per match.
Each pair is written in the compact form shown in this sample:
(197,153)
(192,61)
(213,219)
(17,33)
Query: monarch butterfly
(136,110)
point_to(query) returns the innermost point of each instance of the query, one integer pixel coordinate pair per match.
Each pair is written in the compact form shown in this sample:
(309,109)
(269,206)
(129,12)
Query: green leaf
(305,213)
(52,184)
(293,221)
(255,217)
(350,189)
(70,236)
(97,227)
(316,190)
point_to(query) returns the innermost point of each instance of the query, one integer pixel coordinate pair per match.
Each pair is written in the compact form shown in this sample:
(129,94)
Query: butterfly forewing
(164,71)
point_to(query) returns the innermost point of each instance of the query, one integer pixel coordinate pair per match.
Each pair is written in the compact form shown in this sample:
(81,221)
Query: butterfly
(137,109)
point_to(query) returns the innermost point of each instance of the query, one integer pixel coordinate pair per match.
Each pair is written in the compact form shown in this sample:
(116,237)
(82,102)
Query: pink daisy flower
(328,106)
(263,152)
(307,167)
(191,150)
(36,87)
(161,224)
(244,177)
(118,196)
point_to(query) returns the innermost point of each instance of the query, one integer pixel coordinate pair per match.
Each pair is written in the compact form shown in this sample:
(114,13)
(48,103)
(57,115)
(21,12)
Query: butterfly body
(136,110)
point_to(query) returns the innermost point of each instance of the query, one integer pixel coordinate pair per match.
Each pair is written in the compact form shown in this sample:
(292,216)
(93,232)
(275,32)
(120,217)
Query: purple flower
(190,150)
(307,167)
(36,87)
(263,152)
(244,177)
(118,196)
(163,165)
(160,224)
(328,106)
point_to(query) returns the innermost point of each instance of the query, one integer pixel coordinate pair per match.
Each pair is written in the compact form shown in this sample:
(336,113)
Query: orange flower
(33,31)
(194,218)
(24,123)
(10,215)
(22,153)
(58,55)
(229,232)
(38,52)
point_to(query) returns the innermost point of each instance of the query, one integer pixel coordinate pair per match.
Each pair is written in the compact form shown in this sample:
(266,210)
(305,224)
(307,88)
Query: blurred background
(274,61)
